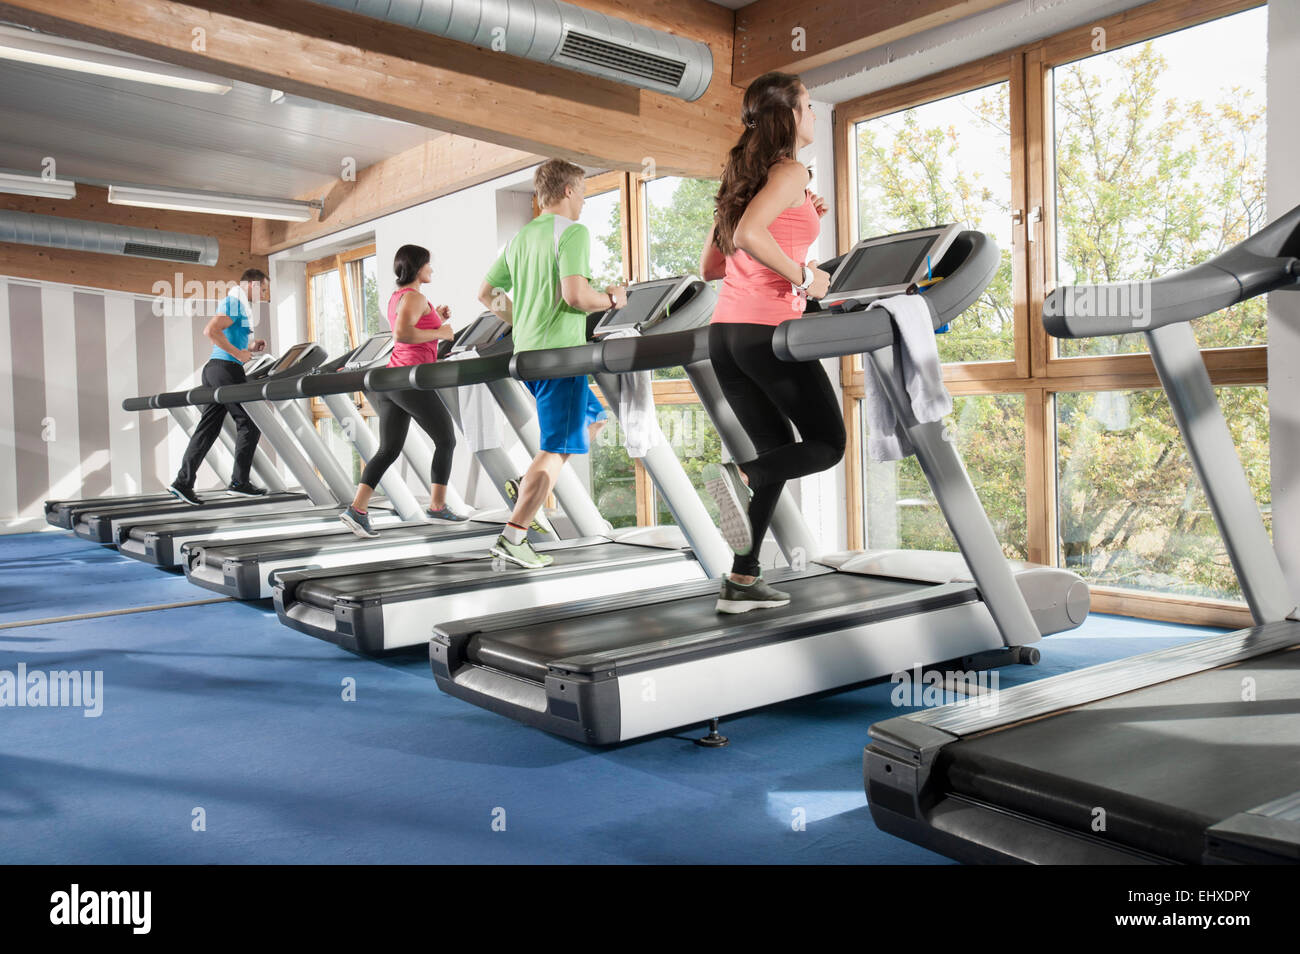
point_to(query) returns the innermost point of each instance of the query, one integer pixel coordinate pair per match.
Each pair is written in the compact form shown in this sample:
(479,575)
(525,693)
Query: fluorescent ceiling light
(37,186)
(286,210)
(25,46)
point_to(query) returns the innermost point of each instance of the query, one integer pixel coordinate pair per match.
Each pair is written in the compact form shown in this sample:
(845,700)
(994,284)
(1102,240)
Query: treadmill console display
(370,352)
(486,329)
(647,304)
(889,264)
(290,357)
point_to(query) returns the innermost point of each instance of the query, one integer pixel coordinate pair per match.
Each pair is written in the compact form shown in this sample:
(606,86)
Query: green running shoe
(521,554)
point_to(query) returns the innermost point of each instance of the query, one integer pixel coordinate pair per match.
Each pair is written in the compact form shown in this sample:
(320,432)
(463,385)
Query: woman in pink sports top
(417,329)
(764,224)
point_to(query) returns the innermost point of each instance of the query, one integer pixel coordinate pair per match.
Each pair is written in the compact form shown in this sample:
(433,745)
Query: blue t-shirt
(241,326)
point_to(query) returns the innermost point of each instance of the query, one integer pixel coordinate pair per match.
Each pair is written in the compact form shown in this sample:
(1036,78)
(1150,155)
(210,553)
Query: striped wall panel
(68,358)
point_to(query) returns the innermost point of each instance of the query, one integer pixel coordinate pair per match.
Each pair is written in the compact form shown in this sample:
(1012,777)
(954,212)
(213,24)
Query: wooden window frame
(636,267)
(1037,372)
(320,266)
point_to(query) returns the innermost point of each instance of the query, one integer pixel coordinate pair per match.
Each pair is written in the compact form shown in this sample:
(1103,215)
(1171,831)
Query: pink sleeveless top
(751,292)
(404,353)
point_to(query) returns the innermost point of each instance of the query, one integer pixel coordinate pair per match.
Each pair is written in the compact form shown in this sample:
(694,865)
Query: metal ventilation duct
(55,232)
(559,33)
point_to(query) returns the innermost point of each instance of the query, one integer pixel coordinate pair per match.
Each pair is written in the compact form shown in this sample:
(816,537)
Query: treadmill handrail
(431,376)
(252,390)
(1264,262)
(614,356)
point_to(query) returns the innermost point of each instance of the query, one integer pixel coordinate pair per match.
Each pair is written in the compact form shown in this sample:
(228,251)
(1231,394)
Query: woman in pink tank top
(764,224)
(418,327)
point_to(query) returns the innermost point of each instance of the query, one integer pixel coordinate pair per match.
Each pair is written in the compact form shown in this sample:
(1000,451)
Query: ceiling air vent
(559,33)
(53,231)
(593,51)
(141,250)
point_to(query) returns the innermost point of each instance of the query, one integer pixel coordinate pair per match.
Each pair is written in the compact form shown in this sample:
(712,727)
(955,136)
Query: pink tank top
(751,292)
(422,352)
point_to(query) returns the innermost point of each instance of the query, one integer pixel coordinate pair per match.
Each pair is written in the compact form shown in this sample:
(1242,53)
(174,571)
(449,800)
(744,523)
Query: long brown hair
(770,135)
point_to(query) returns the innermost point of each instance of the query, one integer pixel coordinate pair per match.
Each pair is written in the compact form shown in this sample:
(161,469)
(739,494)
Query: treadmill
(391,606)
(61,513)
(246,567)
(614,668)
(95,521)
(161,541)
(1154,758)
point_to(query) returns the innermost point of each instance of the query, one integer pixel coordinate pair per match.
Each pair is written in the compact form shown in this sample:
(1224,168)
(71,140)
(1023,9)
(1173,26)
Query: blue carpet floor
(216,717)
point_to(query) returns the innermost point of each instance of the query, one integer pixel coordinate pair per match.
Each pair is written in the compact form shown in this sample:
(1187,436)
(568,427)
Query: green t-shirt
(548,248)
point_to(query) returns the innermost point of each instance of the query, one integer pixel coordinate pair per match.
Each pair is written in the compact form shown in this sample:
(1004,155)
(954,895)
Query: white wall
(823,496)
(1284,308)
(463,232)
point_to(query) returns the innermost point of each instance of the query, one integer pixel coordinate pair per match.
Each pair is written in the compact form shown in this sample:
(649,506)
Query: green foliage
(913,176)
(677,232)
(989,430)
(689,432)
(611,238)
(1148,186)
(1145,186)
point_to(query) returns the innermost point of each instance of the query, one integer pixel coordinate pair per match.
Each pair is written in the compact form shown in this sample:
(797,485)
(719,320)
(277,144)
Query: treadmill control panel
(648,303)
(484,330)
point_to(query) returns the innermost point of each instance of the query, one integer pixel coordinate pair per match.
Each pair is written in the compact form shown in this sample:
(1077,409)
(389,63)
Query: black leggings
(217,373)
(767,395)
(395,410)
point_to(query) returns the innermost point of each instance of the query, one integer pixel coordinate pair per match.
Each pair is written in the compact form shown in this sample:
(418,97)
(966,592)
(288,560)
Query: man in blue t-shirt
(230,331)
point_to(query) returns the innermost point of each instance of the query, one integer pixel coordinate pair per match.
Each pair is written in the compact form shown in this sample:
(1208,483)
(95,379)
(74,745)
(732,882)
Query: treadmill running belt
(1164,762)
(674,625)
(475,568)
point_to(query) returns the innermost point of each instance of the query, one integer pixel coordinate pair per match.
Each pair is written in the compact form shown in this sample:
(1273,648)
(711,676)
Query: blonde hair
(551,178)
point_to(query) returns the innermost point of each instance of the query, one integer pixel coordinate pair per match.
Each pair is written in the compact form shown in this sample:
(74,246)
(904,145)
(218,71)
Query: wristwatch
(613,302)
(808,276)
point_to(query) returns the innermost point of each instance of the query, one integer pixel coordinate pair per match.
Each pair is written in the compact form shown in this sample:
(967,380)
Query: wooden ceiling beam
(768,33)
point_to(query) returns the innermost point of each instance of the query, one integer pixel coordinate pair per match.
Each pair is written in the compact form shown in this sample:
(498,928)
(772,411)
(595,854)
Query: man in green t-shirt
(547,267)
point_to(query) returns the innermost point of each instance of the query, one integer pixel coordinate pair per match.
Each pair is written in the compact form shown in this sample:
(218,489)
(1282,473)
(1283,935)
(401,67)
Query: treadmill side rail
(1268,834)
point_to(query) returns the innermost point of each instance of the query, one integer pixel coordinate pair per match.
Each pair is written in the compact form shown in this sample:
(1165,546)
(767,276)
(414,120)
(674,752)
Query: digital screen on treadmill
(291,357)
(642,304)
(483,331)
(371,350)
(878,266)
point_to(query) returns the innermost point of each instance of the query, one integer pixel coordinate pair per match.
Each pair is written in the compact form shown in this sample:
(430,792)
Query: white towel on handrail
(479,420)
(636,405)
(922,379)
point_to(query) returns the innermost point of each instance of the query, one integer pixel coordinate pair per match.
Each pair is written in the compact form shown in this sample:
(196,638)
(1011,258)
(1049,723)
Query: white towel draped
(922,379)
(636,406)
(479,420)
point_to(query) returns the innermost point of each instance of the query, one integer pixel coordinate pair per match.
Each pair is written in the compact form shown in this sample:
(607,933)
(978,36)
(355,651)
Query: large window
(343,309)
(900,509)
(1131,511)
(644,229)
(935,164)
(1160,165)
(1108,153)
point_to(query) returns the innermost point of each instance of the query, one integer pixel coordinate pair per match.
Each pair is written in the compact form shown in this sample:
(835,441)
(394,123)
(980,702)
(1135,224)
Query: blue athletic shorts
(565,407)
